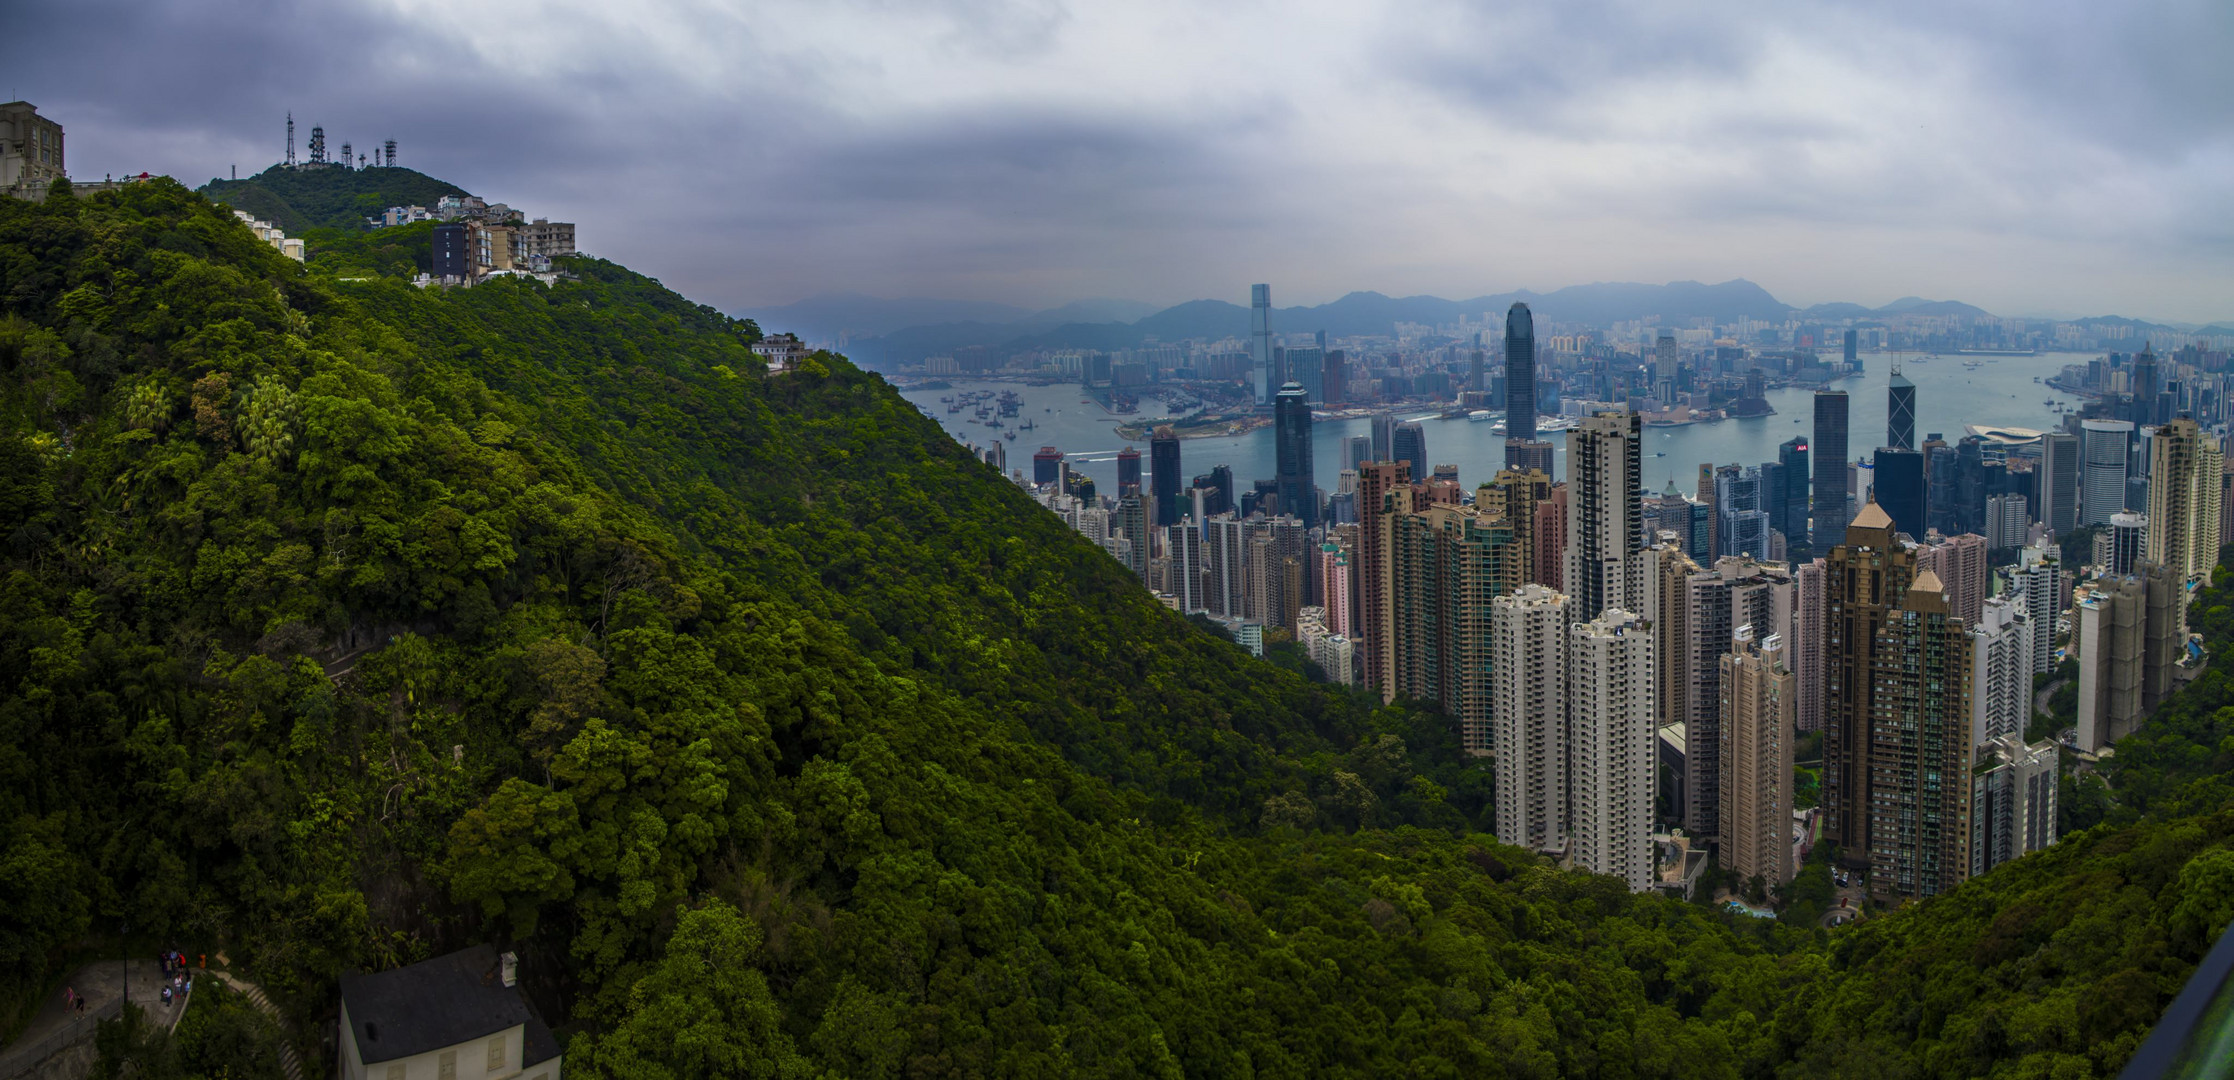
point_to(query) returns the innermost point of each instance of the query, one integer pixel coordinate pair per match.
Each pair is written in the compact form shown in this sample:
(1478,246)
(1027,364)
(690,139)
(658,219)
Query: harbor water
(1951,391)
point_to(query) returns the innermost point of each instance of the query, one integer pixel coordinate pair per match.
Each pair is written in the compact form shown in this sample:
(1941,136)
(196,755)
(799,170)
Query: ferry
(1479,416)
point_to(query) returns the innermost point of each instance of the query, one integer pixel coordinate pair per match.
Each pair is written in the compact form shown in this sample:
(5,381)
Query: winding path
(288,1061)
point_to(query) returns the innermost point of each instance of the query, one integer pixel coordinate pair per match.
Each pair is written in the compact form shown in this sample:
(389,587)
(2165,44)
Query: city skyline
(1011,152)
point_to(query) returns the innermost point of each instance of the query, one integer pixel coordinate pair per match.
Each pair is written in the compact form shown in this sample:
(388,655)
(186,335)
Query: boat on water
(1480,416)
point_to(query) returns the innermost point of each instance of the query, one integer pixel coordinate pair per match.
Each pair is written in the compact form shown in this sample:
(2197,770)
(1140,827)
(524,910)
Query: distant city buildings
(1630,664)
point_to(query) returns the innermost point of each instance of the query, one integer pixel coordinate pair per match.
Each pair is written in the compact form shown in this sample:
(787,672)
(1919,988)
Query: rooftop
(1872,516)
(438,1003)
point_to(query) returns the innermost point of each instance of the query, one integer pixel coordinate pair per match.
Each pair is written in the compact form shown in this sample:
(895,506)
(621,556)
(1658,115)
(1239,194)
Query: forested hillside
(344,623)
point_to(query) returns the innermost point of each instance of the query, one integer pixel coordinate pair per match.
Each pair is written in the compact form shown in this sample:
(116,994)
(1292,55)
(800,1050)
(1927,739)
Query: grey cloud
(775,163)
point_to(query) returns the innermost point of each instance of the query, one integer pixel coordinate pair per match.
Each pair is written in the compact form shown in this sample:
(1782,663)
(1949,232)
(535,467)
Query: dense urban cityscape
(1641,666)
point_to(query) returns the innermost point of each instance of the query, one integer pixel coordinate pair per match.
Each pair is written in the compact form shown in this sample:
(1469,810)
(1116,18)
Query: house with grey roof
(455,1017)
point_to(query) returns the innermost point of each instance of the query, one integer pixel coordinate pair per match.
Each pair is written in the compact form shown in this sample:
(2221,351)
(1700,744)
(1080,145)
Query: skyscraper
(1758,704)
(1668,604)
(2012,801)
(1529,639)
(2122,544)
(1733,593)
(1605,514)
(1791,514)
(2008,521)
(2001,672)
(1613,745)
(1865,577)
(1551,539)
(1477,370)
(1132,522)
(1919,802)
(1741,513)
(2038,583)
(1128,470)
(1450,562)
(1164,477)
(1384,439)
(1260,341)
(1529,454)
(1409,444)
(1960,564)
(1291,433)
(1384,491)
(1828,490)
(1184,565)
(1225,559)
(2185,473)
(1356,451)
(1900,488)
(2143,382)
(1900,413)
(1809,615)
(1851,353)
(1047,466)
(2102,488)
(2127,635)
(1520,373)
(2058,476)
(1664,369)
(1305,366)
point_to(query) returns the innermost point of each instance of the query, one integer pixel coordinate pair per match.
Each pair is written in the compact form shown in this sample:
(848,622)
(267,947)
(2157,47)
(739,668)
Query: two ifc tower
(385,156)
(1520,364)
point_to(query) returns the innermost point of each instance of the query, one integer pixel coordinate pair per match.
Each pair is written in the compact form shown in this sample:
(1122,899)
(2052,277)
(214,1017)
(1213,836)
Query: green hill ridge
(300,199)
(346,623)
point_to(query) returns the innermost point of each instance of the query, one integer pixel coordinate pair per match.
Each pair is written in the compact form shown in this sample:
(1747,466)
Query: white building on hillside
(460,1015)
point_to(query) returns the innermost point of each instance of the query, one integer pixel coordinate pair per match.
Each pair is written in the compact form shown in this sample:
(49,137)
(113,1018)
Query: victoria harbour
(1951,392)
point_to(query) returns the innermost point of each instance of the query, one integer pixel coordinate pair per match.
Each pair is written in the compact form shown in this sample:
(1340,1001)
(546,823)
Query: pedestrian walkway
(57,1025)
(288,1062)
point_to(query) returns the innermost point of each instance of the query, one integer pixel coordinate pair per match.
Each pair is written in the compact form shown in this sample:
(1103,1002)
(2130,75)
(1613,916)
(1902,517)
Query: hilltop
(346,623)
(298,200)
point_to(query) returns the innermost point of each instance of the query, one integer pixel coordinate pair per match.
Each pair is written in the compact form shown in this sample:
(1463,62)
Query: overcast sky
(2034,156)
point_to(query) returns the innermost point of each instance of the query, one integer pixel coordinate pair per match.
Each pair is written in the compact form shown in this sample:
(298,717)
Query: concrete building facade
(1605,514)
(1759,699)
(2012,800)
(1529,631)
(1613,744)
(1920,752)
(2185,472)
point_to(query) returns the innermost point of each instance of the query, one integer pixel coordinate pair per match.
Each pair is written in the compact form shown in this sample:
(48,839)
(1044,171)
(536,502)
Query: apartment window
(496,1053)
(446,1068)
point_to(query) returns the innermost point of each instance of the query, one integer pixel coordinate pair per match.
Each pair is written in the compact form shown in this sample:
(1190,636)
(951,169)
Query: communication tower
(317,145)
(290,140)
(345,155)
(391,151)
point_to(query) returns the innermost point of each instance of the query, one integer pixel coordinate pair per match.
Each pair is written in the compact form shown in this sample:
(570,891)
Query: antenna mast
(290,139)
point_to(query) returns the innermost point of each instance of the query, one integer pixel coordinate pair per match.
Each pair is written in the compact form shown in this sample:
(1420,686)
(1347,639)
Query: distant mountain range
(884,333)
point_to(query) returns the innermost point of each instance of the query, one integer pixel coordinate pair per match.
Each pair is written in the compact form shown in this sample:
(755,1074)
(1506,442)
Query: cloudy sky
(2032,156)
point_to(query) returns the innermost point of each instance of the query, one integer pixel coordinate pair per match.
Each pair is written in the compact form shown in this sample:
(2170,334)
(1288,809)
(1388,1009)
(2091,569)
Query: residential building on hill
(1920,751)
(453,1016)
(1759,701)
(30,151)
(2012,800)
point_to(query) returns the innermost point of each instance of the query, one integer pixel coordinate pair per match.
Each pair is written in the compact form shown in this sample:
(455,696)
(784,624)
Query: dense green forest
(299,200)
(346,623)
